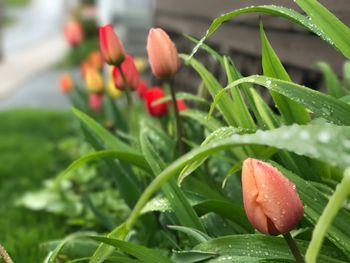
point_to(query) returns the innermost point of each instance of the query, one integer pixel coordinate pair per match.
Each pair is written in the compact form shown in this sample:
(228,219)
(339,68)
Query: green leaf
(244,119)
(313,140)
(124,156)
(183,210)
(108,138)
(192,256)
(104,250)
(280,11)
(325,221)
(321,104)
(184,96)
(219,134)
(142,253)
(334,87)
(314,204)
(52,258)
(253,248)
(201,117)
(194,233)
(346,73)
(214,88)
(337,33)
(291,111)
(114,114)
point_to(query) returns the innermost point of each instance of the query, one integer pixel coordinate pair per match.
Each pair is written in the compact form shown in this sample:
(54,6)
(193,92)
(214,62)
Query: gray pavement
(40,91)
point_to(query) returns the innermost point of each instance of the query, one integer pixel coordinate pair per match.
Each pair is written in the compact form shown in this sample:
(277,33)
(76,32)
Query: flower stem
(293,248)
(177,117)
(132,115)
(335,203)
(4,255)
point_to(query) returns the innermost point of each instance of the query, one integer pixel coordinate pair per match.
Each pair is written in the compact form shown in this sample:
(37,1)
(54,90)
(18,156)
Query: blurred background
(37,129)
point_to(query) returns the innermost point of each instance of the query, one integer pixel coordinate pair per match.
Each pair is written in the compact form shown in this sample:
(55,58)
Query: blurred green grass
(16,3)
(28,155)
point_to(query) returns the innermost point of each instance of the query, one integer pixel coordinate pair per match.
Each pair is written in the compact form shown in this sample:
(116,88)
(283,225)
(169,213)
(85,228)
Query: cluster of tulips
(123,72)
(271,201)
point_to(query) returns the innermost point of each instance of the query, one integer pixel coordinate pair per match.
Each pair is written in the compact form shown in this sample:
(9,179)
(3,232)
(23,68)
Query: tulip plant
(227,178)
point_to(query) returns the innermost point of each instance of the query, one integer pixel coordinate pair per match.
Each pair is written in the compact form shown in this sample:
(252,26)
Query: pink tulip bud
(74,33)
(112,48)
(95,101)
(271,201)
(162,54)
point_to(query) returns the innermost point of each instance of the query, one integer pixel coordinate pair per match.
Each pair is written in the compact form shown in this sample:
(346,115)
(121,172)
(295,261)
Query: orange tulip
(162,54)
(66,83)
(95,60)
(74,33)
(93,80)
(271,201)
(112,48)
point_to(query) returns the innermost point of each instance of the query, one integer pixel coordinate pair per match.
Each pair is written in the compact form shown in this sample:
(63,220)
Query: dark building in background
(239,38)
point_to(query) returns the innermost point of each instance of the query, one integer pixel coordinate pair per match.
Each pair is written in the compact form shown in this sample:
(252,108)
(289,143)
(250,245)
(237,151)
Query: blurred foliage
(16,3)
(29,155)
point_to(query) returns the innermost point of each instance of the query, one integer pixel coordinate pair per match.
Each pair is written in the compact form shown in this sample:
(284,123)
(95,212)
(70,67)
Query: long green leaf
(319,103)
(253,248)
(201,117)
(280,11)
(104,135)
(124,156)
(291,111)
(337,33)
(294,138)
(145,254)
(104,250)
(214,88)
(183,210)
(334,87)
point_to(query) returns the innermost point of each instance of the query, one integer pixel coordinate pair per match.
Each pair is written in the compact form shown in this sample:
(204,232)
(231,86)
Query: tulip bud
(181,105)
(162,54)
(93,80)
(95,60)
(142,88)
(66,83)
(271,201)
(73,33)
(130,72)
(152,95)
(95,101)
(112,48)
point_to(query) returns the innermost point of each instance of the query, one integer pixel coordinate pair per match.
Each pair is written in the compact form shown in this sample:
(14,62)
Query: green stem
(131,112)
(335,203)
(293,248)
(177,117)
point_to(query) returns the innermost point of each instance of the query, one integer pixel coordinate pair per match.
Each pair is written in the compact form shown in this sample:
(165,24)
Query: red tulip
(181,105)
(112,48)
(130,72)
(271,201)
(152,95)
(162,54)
(142,88)
(73,33)
(66,83)
(95,101)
